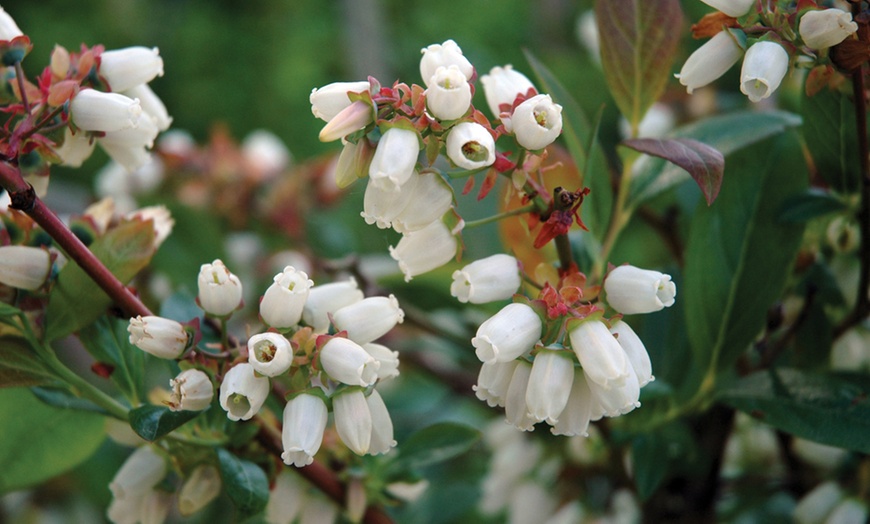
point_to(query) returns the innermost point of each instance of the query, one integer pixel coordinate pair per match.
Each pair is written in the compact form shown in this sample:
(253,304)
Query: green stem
(495,218)
(618,220)
(225,340)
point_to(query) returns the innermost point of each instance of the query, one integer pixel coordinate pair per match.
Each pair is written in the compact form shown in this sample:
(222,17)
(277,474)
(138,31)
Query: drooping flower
(202,486)
(331,99)
(764,66)
(502,85)
(129,146)
(516,409)
(424,249)
(134,498)
(76,148)
(382,425)
(93,110)
(470,146)
(388,360)
(826,27)
(496,277)
(493,381)
(242,392)
(430,198)
(130,66)
(549,385)
(305,419)
(600,355)
(733,8)
(445,54)
(192,390)
(284,301)
(326,299)
(710,61)
(346,361)
(449,94)
(8,28)
(631,290)
(151,105)
(615,399)
(634,350)
(353,420)
(369,319)
(382,206)
(161,337)
(394,159)
(574,419)
(537,122)
(270,354)
(220,291)
(508,334)
(24,267)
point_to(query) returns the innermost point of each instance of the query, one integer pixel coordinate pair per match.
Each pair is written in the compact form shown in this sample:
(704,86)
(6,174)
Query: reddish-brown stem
(19,76)
(24,199)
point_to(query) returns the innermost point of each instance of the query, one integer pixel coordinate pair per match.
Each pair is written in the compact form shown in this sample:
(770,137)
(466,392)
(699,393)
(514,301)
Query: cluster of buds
(768,39)
(295,356)
(557,359)
(385,130)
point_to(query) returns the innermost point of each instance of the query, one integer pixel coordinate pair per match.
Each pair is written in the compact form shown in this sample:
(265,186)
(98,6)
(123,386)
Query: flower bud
(353,420)
(192,390)
(509,334)
(493,381)
(424,249)
(574,419)
(352,118)
(430,198)
(496,277)
(24,267)
(634,350)
(382,425)
(265,153)
(369,319)
(470,146)
(151,105)
(133,488)
(388,360)
(8,28)
(220,292)
(537,122)
(326,299)
(161,337)
(732,8)
(600,355)
(502,85)
(353,162)
(201,487)
(130,66)
(93,110)
(549,385)
(631,290)
(710,61)
(346,361)
(449,94)
(826,27)
(270,354)
(516,410)
(305,419)
(764,66)
(160,218)
(75,149)
(443,55)
(394,159)
(284,301)
(331,99)
(242,392)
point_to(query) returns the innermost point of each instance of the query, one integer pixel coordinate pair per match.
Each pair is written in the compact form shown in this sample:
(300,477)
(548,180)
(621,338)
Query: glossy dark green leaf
(810,204)
(154,422)
(244,482)
(580,137)
(20,366)
(830,409)
(38,441)
(108,341)
(739,253)
(436,443)
(727,133)
(703,163)
(75,300)
(829,131)
(638,45)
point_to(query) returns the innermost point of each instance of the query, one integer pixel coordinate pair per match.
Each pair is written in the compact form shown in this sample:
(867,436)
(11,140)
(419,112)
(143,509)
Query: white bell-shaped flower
(430,198)
(382,206)
(516,410)
(388,360)
(634,350)
(615,400)
(8,28)
(449,94)
(346,361)
(24,267)
(632,290)
(161,219)
(496,277)
(382,425)
(93,110)
(502,85)
(270,354)
(220,291)
(161,337)
(817,504)
(549,385)
(134,498)
(353,420)
(445,54)
(600,355)
(305,418)
(394,159)
(151,105)
(242,392)
(733,8)
(76,148)
(826,27)
(510,333)
(202,486)
(288,495)
(710,61)
(470,146)
(369,319)
(128,147)
(493,381)
(192,390)
(130,66)
(331,99)
(537,122)
(424,249)
(574,419)
(764,66)
(326,299)
(282,304)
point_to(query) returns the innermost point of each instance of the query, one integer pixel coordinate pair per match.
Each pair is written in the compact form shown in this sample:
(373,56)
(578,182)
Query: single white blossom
(220,291)
(445,54)
(502,85)
(634,350)
(305,419)
(134,498)
(448,96)
(470,146)
(733,8)
(489,279)
(192,390)
(129,147)
(388,360)
(537,122)
(764,66)
(151,105)
(826,27)
(424,249)
(270,354)
(346,361)
(600,355)
(24,267)
(516,410)
(8,28)
(631,290)
(76,148)
(430,198)
(394,159)
(161,337)
(326,299)
(382,425)
(93,110)
(331,99)
(574,419)
(510,333)
(369,319)
(353,420)
(613,400)
(710,61)
(282,304)
(549,385)
(242,392)
(493,381)
(201,487)
(130,66)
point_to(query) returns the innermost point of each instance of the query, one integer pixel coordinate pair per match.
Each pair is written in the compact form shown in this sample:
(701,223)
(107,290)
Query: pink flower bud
(537,122)
(305,419)
(130,66)
(161,337)
(449,94)
(283,302)
(270,354)
(470,146)
(192,390)
(509,334)
(352,118)
(220,292)
(242,392)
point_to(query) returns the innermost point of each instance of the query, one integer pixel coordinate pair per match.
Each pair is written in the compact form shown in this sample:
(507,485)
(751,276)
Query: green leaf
(810,204)
(108,341)
(582,141)
(436,443)
(75,300)
(7,310)
(20,366)
(245,483)
(656,455)
(727,133)
(638,45)
(38,441)
(830,409)
(830,137)
(154,422)
(703,163)
(62,398)
(739,254)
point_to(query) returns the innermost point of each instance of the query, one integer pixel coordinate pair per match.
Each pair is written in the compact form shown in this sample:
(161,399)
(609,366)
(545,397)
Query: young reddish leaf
(703,162)
(488,184)
(638,45)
